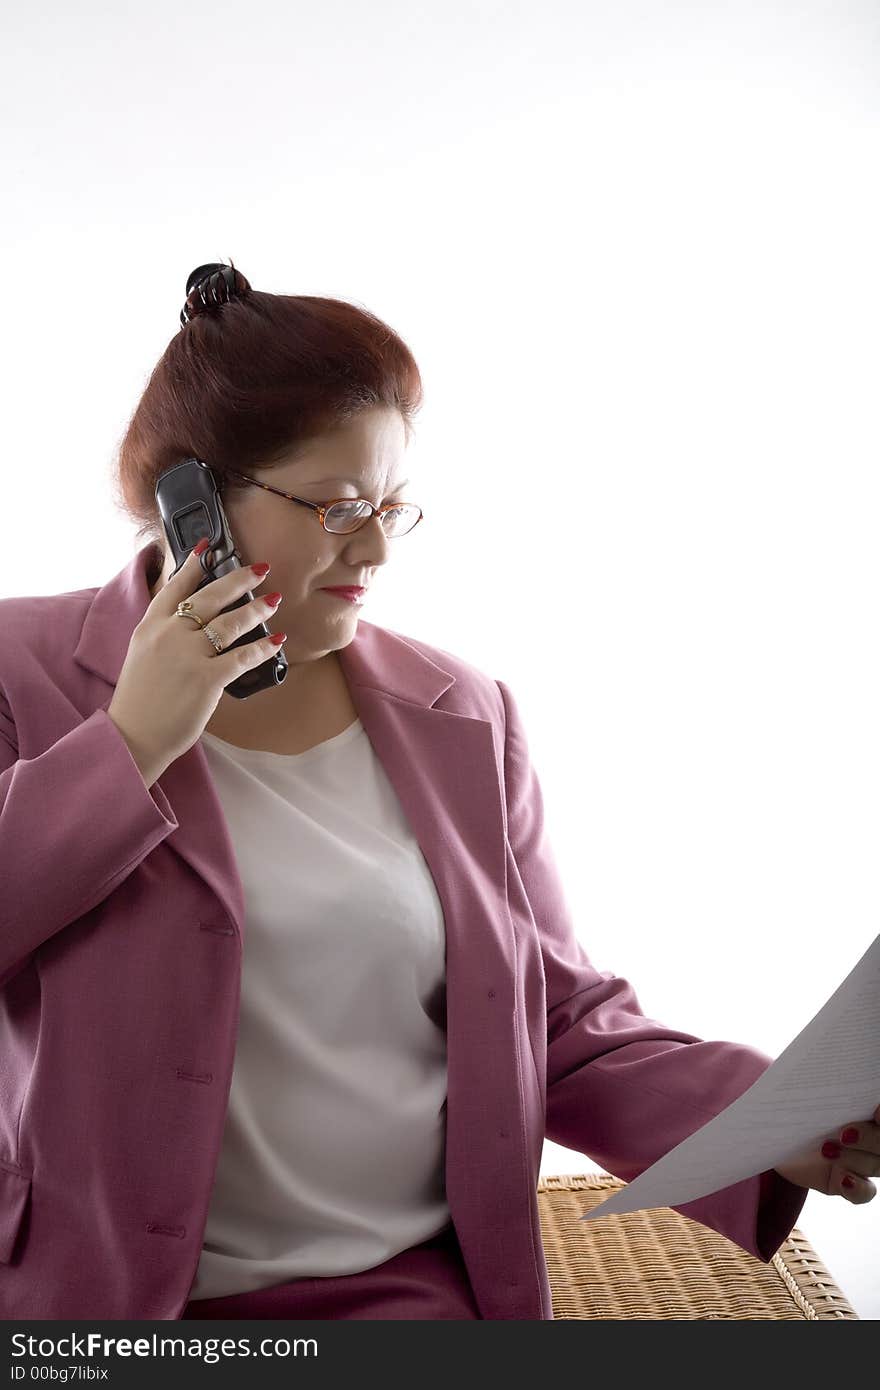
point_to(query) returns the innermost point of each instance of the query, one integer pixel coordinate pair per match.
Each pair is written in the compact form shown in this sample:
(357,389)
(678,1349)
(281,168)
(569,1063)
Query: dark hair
(247,382)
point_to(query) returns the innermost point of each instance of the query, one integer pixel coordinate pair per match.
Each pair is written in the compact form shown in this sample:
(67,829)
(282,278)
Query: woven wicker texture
(660,1264)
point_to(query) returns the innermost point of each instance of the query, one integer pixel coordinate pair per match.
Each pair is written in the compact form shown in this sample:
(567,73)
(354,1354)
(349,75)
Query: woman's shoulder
(22,609)
(29,618)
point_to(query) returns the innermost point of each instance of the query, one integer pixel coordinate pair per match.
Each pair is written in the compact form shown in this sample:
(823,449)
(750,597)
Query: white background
(633,248)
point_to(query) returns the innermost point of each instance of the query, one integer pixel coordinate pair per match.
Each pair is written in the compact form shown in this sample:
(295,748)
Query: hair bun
(209,286)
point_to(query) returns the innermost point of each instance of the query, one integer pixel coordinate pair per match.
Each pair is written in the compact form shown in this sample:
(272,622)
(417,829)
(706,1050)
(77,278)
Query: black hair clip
(215,284)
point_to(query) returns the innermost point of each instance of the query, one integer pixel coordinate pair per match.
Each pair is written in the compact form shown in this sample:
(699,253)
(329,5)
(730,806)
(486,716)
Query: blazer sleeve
(74,822)
(621,1087)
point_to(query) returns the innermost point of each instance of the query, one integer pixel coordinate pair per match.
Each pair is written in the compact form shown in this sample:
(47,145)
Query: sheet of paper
(827,1077)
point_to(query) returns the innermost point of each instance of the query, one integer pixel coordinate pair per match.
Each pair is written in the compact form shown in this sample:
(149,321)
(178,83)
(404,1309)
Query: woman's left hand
(846,1172)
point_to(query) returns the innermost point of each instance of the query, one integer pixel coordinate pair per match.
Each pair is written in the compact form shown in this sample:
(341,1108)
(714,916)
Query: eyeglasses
(342,515)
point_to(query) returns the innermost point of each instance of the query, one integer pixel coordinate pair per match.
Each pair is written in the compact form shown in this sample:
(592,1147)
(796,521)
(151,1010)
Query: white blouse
(333,1152)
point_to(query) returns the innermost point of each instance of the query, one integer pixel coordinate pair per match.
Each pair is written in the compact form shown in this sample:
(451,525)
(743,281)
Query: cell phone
(189,501)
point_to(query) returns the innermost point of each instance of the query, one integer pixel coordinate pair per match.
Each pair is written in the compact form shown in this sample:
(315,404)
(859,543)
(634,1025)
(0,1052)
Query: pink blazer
(121,922)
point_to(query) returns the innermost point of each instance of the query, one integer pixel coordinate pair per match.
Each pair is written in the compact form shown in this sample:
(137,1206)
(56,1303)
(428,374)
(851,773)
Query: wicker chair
(659,1264)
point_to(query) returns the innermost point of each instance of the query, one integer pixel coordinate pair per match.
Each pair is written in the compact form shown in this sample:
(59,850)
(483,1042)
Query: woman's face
(364,458)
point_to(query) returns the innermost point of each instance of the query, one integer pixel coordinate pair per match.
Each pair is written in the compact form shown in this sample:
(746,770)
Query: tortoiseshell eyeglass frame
(323,509)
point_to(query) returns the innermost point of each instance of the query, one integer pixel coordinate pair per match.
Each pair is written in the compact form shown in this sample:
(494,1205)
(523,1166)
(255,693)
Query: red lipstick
(353,595)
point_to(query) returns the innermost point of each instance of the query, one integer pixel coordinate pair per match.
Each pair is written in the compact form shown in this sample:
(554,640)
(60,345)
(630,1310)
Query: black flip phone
(189,501)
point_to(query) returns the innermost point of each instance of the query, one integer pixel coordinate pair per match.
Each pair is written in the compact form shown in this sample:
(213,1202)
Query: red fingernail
(830,1150)
(847,1181)
(277,638)
(849,1136)
(202,545)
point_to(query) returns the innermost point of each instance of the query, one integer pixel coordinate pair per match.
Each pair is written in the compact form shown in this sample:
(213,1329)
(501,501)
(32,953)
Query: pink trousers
(427,1281)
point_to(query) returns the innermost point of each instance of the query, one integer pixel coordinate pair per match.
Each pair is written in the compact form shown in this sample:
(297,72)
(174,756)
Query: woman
(289,990)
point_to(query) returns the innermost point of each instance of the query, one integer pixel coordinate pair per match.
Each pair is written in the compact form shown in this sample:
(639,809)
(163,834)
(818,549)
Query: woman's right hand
(172,678)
